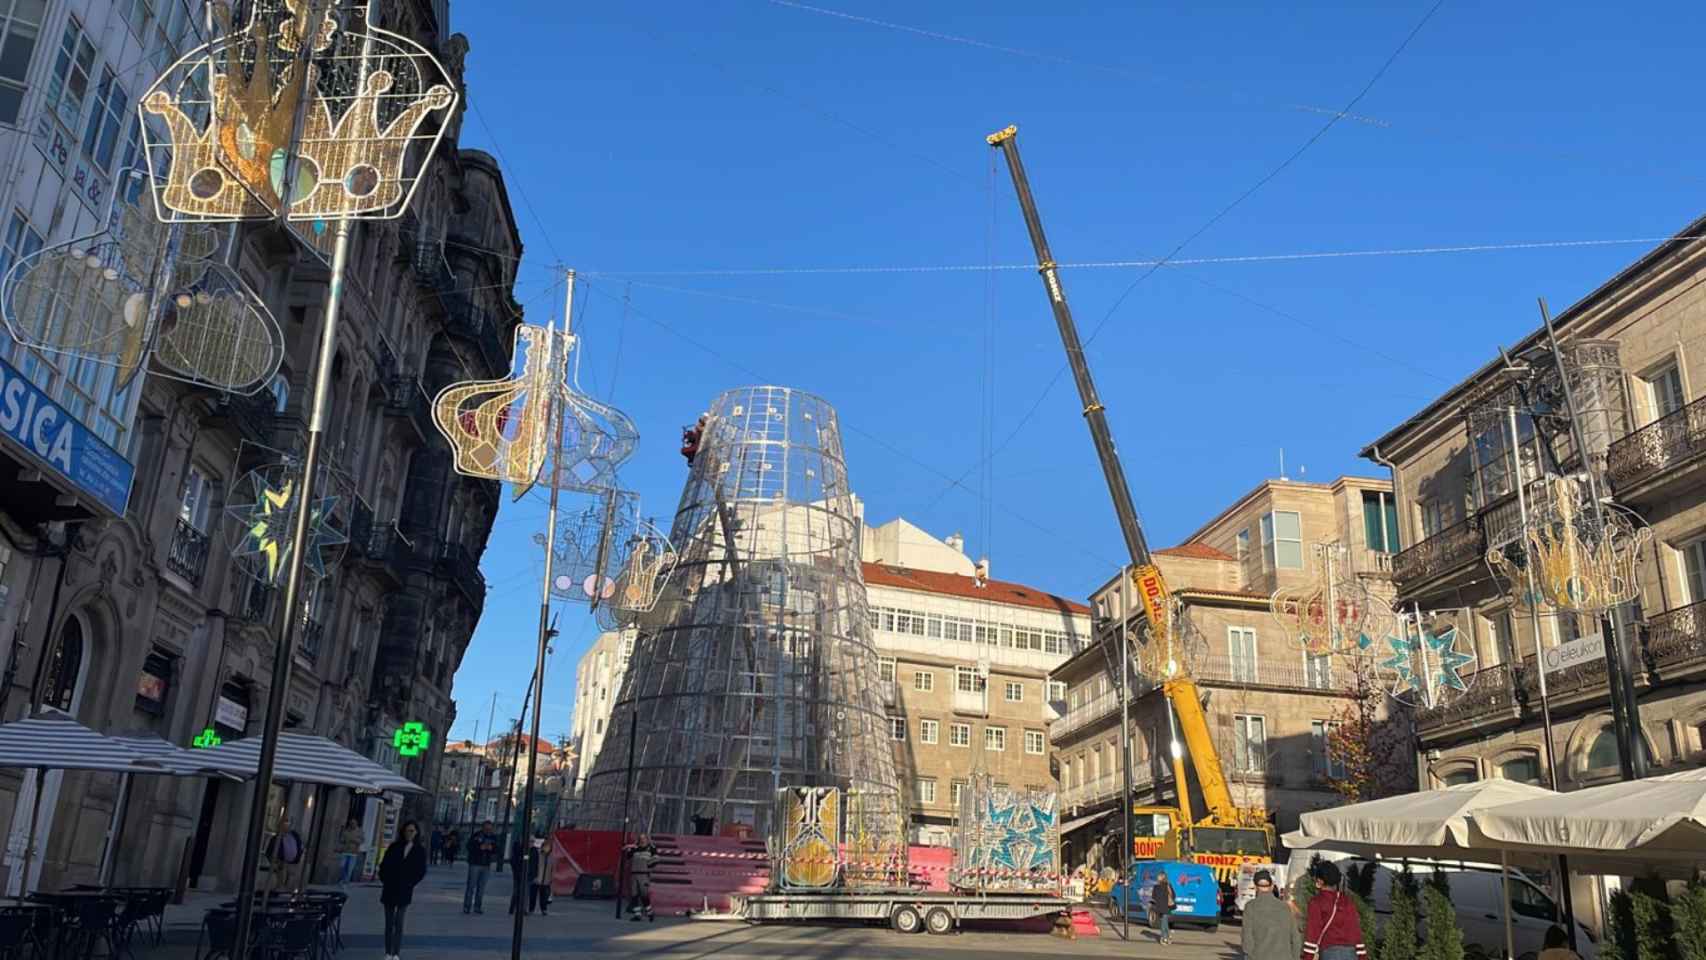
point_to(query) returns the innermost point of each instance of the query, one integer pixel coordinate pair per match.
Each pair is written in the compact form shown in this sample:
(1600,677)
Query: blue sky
(717,164)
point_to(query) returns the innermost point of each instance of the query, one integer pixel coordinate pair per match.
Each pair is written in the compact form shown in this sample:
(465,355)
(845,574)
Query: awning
(54,741)
(1082,822)
(308,759)
(177,761)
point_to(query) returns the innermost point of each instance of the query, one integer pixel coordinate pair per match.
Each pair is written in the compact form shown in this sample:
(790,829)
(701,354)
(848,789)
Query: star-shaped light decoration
(1426,667)
(412,739)
(206,740)
(267,523)
(1449,672)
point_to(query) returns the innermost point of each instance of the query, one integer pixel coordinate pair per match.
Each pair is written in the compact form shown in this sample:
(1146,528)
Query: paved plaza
(437,929)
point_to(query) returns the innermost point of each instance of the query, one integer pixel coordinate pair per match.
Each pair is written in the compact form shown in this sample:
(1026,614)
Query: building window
(956,791)
(885,669)
(933,626)
(65,667)
(969,680)
(20,25)
(1249,743)
(68,86)
(1242,544)
(1241,647)
(1282,540)
(106,121)
(924,681)
(1056,691)
(21,239)
(155,682)
(1035,742)
(1321,736)
(928,730)
(1567,626)
(1504,637)
(1694,569)
(280,390)
(1664,391)
(995,739)
(1015,692)
(1522,769)
(1458,776)
(959,734)
(1380,521)
(926,791)
(897,729)
(196,508)
(1318,671)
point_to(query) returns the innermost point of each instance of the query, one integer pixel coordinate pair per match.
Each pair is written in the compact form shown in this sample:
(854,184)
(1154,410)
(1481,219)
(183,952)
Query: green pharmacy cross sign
(206,740)
(411,739)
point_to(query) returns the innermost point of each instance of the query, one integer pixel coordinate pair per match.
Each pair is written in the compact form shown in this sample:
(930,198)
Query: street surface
(437,930)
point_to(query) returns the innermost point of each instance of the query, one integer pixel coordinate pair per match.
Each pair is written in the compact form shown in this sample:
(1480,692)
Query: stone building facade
(134,618)
(1636,351)
(598,680)
(1270,706)
(965,663)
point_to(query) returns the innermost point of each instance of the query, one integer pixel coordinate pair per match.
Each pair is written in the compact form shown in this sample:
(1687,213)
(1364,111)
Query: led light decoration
(140,288)
(232,107)
(1329,613)
(1580,563)
(500,429)
(265,521)
(411,739)
(1169,653)
(1009,839)
(606,554)
(809,849)
(1425,662)
(206,740)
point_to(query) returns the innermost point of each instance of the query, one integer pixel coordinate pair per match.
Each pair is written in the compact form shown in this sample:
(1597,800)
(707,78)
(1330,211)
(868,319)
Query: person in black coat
(404,865)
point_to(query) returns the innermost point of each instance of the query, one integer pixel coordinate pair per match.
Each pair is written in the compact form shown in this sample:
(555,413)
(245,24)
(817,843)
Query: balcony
(464,571)
(360,531)
(890,692)
(309,640)
(1584,681)
(186,556)
(1108,786)
(1659,456)
(1439,556)
(1222,670)
(1676,641)
(407,398)
(1085,714)
(251,417)
(973,703)
(254,601)
(1491,697)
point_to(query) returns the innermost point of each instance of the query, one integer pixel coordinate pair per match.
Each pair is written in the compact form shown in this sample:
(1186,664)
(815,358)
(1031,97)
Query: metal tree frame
(760,672)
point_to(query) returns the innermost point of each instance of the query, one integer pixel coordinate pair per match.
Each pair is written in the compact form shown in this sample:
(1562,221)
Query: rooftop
(1195,551)
(954,585)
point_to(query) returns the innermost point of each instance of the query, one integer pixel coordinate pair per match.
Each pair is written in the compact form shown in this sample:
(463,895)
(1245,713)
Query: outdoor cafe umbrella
(52,740)
(1629,828)
(177,762)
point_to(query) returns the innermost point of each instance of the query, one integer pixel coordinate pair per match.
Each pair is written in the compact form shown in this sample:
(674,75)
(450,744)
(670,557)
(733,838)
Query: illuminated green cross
(411,739)
(206,740)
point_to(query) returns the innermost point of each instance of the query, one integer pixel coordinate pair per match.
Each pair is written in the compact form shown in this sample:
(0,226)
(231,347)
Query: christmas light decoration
(1330,612)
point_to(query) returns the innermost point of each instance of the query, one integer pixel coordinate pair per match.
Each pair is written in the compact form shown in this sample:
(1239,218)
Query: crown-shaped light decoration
(264,508)
(359,96)
(605,552)
(1580,562)
(500,429)
(1427,662)
(642,579)
(1330,612)
(1172,653)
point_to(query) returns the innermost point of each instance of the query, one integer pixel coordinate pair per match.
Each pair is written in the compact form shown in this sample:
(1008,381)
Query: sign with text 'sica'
(58,440)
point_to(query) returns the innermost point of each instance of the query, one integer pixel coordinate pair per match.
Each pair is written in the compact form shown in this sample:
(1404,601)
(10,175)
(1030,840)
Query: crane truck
(1228,835)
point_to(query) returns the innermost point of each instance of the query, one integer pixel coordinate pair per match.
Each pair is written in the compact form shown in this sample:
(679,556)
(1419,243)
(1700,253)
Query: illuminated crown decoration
(141,289)
(1171,653)
(232,108)
(499,429)
(605,552)
(1580,563)
(1329,613)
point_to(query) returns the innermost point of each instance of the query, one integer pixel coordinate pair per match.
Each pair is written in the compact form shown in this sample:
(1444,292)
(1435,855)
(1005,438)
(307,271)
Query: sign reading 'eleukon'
(1566,655)
(61,442)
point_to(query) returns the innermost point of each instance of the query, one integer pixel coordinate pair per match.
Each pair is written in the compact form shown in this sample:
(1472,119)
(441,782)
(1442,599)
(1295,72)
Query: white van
(1476,894)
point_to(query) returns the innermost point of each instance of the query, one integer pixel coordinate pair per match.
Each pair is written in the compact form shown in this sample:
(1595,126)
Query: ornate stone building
(134,619)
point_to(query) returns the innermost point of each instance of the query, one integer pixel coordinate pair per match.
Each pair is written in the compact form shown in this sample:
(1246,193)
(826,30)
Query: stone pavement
(436,929)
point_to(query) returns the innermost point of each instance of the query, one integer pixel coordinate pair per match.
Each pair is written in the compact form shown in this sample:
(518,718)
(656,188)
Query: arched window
(65,667)
(1457,776)
(1522,768)
(1602,752)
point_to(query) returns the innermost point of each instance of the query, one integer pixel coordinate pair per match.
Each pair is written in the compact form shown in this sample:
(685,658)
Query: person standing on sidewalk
(437,849)
(404,866)
(539,859)
(349,852)
(452,846)
(1161,901)
(641,857)
(482,853)
(1333,931)
(1270,927)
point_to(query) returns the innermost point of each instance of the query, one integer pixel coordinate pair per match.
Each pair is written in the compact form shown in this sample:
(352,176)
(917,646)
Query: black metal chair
(93,921)
(219,935)
(19,933)
(292,936)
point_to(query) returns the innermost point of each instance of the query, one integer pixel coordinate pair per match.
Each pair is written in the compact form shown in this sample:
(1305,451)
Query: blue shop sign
(61,441)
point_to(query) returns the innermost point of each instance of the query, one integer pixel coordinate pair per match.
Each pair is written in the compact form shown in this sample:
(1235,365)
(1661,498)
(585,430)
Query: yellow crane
(1228,835)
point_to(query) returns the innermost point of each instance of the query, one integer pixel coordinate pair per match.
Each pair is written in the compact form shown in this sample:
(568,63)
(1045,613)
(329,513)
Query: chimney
(956,541)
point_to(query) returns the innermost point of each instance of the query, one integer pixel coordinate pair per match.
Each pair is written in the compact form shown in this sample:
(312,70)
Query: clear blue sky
(652,142)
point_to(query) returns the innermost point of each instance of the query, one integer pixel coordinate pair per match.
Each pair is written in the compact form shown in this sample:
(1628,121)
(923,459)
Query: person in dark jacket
(1333,930)
(1161,903)
(1270,928)
(404,866)
(482,853)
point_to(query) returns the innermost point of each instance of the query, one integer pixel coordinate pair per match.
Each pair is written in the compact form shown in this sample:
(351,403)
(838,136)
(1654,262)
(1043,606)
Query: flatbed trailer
(905,911)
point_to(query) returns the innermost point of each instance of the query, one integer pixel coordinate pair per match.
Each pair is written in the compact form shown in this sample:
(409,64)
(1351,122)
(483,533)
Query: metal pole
(1125,752)
(1625,709)
(627,799)
(274,722)
(544,621)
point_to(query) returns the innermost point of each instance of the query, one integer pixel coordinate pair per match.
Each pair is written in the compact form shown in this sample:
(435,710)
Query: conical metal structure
(756,670)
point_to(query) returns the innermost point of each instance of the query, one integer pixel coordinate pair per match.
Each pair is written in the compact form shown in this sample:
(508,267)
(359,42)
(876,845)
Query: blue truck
(1196,892)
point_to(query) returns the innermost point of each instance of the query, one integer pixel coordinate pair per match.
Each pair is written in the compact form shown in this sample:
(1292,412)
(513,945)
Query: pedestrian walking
(641,857)
(452,846)
(1333,930)
(1556,946)
(540,880)
(1161,903)
(1270,927)
(349,852)
(482,853)
(404,865)
(436,851)
(521,874)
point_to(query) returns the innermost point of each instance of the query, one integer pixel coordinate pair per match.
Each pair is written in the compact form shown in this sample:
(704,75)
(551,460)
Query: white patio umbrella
(1429,824)
(52,740)
(177,762)
(1627,828)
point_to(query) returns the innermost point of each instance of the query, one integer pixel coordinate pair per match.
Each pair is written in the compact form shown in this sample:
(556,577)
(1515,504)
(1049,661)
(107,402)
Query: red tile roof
(954,585)
(1196,551)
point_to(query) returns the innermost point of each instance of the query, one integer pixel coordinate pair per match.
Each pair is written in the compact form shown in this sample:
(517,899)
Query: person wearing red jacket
(1333,930)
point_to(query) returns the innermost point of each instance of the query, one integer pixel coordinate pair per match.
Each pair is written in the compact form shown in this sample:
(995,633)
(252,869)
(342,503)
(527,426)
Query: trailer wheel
(905,919)
(939,921)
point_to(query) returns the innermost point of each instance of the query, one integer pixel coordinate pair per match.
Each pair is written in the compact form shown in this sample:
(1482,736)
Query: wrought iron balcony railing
(464,571)
(1676,639)
(186,556)
(1661,446)
(1440,554)
(308,643)
(1491,693)
(409,399)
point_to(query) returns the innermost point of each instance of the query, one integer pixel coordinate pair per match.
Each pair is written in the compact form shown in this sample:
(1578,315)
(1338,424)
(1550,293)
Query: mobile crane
(1228,835)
